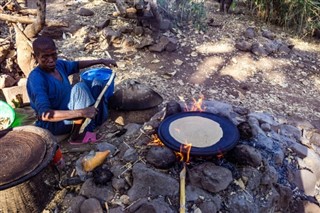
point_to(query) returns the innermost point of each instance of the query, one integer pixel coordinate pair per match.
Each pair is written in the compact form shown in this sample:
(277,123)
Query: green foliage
(187,11)
(303,16)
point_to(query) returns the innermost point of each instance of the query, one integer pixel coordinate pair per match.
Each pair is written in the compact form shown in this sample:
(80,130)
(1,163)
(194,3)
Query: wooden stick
(96,104)
(183,189)
(27,20)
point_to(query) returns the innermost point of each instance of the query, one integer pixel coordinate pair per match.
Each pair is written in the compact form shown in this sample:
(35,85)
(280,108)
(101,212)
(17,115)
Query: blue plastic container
(101,74)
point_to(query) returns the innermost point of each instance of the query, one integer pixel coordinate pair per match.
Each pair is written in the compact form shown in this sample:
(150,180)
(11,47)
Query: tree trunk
(25,58)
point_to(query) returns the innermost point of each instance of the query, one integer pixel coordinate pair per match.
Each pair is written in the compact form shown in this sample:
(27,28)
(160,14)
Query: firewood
(183,189)
(27,20)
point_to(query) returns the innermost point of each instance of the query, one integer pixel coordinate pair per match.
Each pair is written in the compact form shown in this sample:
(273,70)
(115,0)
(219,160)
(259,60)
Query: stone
(130,155)
(264,142)
(104,24)
(245,130)
(285,196)
(172,107)
(251,177)
(270,47)
(241,110)
(284,49)
(76,203)
(264,117)
(119,184)
(13,94)
(165,25)
(210,177)
(112,36)
(255,127)
(243,46)
(278,156)
(269,176)
(194,194)
(245,155)
(91,205)
(268,34)
(172,45)
(161,45)
(290,131)
(154,206)
(271,201)
(258,50)
(211,206)
(147,182)
(250,33)
(241,202)
(6,81)
(85,12)
(161,157)
(132,129)
(145,42)
(91,190)
(266,127)
(217,107)
(117,169)
(118,209)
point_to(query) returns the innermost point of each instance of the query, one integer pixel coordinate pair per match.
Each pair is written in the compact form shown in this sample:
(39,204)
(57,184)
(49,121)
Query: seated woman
(59,106)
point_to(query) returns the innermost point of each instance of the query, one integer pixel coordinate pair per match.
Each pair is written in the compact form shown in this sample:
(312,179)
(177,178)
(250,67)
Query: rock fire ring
(208,133)
(21,152)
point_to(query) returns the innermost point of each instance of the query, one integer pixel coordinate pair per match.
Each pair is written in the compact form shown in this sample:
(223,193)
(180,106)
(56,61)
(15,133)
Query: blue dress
(46,92)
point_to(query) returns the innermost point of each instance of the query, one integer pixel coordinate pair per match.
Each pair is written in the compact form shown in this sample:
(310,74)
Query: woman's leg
(80,98)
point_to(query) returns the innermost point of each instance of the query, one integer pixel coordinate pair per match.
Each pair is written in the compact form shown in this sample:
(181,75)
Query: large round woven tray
(24,152)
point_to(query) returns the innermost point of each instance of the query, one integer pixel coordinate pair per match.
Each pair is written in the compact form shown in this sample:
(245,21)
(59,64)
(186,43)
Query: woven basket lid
(22,150)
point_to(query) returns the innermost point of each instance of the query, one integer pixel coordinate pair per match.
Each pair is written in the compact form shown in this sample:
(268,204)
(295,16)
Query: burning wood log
(183,189)
(185,157)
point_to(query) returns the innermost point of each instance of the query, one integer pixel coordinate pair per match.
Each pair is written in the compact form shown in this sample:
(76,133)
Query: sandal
(89,137)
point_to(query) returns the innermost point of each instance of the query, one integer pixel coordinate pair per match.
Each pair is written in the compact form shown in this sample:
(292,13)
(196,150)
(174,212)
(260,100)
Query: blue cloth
(48,93)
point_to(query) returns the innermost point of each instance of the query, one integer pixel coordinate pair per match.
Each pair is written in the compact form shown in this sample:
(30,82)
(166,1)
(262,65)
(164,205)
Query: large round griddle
(24,152)
(217,134)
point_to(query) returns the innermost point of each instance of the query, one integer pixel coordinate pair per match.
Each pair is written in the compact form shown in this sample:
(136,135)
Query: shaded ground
(207,63)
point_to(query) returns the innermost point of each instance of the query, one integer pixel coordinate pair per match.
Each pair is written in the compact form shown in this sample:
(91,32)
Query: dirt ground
(206,63)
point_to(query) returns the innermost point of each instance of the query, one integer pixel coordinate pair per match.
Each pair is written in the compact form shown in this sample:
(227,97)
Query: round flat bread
(196,130)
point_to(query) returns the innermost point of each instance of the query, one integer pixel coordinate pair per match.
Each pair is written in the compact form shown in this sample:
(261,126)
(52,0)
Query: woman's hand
(89,112)
(109,62)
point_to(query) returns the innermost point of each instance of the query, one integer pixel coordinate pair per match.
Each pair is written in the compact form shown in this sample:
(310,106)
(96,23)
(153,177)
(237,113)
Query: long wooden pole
(96,104)
(183,189)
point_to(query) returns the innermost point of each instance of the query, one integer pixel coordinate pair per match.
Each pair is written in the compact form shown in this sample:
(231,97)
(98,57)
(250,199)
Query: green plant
(303,16)
(186,11)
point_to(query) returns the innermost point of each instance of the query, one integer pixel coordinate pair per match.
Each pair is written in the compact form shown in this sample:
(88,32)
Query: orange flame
(197,105)
(155,141)
(184,153)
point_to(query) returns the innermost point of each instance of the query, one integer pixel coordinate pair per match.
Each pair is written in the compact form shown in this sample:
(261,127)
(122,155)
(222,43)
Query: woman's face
(47,59)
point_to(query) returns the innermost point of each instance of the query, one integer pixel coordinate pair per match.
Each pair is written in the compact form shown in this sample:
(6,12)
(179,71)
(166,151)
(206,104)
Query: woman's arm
(59,115)
(88,63)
